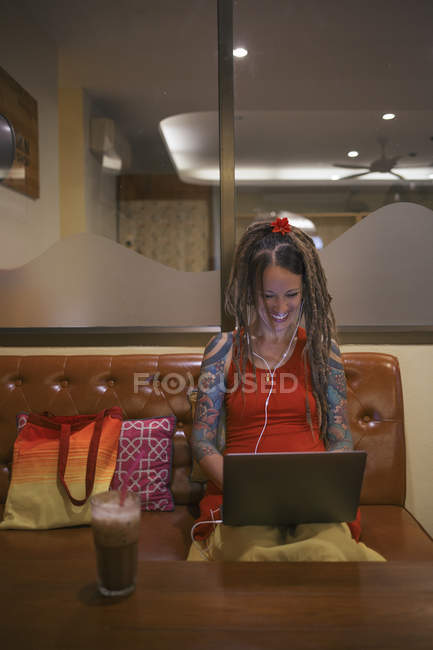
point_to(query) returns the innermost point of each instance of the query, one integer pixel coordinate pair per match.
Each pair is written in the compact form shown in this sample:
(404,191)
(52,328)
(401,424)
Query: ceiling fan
(383,165)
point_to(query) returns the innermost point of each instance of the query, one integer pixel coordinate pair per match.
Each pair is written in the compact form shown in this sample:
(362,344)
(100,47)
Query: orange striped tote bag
(58,463)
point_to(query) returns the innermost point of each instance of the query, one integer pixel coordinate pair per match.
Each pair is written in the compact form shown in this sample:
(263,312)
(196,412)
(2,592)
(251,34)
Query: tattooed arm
(210,398)
(338,434)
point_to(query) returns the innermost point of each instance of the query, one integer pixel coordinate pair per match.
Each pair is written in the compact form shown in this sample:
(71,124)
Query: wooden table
(52,603)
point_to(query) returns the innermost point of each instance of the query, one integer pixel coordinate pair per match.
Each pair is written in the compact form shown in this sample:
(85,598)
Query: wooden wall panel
(135,187)
(19,107)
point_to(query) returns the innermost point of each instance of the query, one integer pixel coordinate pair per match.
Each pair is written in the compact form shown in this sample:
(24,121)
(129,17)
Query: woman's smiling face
(278,306)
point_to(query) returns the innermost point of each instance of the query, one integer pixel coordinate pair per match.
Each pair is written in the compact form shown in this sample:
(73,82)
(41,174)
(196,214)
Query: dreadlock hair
(259,248)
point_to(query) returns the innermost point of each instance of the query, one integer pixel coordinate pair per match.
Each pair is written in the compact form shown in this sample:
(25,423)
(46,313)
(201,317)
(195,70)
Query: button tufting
(111,382)
(64,383)
(366,418)
(18,382)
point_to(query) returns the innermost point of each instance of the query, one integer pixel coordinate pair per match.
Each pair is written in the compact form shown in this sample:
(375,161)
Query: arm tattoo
(210,360)
(338,433)
(210,398)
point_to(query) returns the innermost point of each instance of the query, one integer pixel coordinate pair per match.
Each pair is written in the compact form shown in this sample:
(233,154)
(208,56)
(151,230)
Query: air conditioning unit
(109,146)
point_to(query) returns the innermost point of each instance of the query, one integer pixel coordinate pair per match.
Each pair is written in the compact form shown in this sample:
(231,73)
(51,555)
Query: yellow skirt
(302,543)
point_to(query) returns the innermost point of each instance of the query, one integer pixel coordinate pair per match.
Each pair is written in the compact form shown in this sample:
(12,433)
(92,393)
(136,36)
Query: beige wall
(100,185)
(71,162)
(416,364)
(30,226)
(74,194)
(87,192)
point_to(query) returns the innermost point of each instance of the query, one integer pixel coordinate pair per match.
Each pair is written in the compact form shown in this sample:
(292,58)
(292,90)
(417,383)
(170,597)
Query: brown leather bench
(66,385)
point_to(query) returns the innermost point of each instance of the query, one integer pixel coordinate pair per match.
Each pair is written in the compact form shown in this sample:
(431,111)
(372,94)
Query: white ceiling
(314,85)
(272,151)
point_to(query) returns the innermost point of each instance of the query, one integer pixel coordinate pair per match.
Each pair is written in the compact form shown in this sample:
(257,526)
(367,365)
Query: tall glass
(116,528)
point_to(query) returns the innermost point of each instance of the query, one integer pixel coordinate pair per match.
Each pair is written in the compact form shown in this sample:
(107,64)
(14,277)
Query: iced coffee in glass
(116,527)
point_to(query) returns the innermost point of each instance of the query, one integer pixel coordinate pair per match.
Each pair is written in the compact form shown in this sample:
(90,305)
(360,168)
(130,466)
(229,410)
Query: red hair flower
(281,225)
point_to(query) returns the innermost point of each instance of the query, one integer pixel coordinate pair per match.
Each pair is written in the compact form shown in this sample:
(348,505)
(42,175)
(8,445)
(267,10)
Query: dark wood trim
(110,337)
(188,337)
(159,187)
(413,337)
(227,150)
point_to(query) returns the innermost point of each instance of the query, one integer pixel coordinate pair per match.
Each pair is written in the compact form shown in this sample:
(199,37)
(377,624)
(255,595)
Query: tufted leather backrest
(376,418)
(142,386)
(149,385)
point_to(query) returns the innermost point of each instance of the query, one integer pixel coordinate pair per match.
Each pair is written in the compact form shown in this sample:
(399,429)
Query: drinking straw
(124,486)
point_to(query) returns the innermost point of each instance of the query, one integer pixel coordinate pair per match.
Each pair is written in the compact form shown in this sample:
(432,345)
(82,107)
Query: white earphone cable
(204,552)
(272,373)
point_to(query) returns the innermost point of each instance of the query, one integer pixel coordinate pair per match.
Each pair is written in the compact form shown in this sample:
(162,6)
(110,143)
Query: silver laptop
(292,488)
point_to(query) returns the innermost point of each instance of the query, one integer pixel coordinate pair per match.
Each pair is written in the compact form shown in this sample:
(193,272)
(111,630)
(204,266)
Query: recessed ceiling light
(430,176)
(335,177)
(353,154)
(240,52)
(388,116)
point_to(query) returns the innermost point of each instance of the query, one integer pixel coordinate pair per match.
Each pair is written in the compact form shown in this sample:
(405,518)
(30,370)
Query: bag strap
(65,434)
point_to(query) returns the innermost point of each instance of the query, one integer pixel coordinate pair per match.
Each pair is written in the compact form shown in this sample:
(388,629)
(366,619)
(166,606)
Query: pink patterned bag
(144,460)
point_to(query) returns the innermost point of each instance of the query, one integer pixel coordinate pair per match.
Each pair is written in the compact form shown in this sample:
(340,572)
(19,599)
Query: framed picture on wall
(21,110)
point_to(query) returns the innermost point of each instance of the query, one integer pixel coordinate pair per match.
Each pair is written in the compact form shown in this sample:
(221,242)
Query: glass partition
(333,110)
(120,91)
(332,121)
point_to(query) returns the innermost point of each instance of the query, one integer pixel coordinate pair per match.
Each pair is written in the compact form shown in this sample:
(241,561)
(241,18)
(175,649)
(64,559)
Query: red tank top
(287,427)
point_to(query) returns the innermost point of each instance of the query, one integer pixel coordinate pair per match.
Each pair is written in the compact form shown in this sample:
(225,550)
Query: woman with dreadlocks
(280,387)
